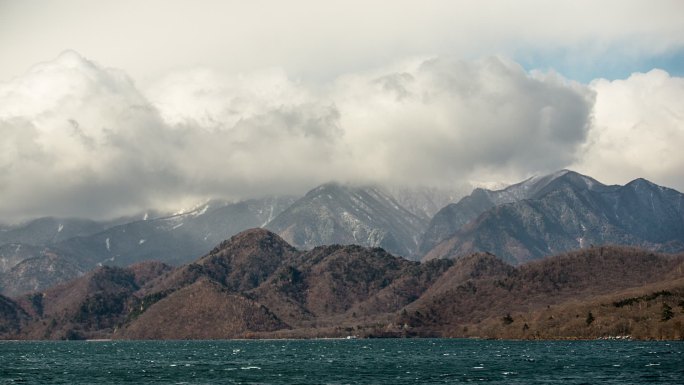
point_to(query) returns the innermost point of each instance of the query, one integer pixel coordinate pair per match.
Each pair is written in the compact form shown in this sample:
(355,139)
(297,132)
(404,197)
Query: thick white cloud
(77,140)
(80,139)
(437,121)
(638,130)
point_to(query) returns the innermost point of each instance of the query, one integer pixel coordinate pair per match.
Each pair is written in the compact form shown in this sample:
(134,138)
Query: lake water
(391,361)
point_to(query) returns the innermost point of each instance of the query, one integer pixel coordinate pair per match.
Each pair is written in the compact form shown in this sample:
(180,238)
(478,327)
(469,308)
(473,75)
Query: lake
(386,361)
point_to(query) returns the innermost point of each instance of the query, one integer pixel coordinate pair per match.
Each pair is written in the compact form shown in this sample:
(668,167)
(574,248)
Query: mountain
(556,214)
(38,273)
(25,268)
(92,305)
(253,284)
(13,253)
(30,239)
(257,269)
(37,237)
(447,221)
(342,214)
(256,285)
(64,249)
(173,239)
(49,230)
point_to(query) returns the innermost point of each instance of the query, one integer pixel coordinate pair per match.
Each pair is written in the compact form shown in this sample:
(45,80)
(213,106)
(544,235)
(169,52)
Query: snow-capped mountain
(559,213)
(452,217)
(39,272)
(341,214)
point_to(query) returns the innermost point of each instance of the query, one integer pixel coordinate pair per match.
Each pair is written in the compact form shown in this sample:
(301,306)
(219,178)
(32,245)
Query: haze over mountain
(174,239)
(555,214)
(49,230)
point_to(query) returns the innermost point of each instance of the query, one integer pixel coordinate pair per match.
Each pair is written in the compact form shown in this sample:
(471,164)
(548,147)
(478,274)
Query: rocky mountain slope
(39,273)
(558,213)
(447,221)
(13,253)
(256,285)
(342,214)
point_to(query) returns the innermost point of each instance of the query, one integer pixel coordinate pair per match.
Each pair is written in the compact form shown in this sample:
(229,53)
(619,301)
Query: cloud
(438,120)
(321,40)
(638,130)
(77,140)
(82,140)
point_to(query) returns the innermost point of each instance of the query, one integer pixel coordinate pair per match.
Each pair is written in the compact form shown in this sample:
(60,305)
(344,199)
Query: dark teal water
(413,361)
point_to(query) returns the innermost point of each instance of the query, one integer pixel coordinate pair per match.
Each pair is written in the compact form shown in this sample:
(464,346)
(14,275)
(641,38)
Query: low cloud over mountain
(81,139)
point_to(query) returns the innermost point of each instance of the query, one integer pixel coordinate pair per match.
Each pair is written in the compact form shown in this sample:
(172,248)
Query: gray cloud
(82,140)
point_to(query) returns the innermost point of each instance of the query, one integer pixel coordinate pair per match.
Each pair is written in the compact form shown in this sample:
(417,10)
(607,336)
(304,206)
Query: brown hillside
(240,263)
(342,284)
(145,272)
(649,312)
(256,285)
(579,276)
(202,310)
(89,306)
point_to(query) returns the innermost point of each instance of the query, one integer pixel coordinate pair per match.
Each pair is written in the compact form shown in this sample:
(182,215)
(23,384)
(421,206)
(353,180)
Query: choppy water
(414,361)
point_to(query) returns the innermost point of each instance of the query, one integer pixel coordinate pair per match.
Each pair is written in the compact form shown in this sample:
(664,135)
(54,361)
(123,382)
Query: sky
(111,108)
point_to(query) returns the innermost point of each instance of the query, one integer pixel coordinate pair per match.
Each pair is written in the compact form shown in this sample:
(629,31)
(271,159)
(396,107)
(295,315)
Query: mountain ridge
(569,211)
(340,290)
(539,216)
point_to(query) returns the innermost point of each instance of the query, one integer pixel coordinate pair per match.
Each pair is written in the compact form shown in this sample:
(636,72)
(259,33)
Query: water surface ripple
(391,361)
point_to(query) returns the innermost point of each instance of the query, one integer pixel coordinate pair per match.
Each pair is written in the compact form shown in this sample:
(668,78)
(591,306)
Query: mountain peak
(346,214)
(330,187)
(252,237)
(538,185)
(642,183)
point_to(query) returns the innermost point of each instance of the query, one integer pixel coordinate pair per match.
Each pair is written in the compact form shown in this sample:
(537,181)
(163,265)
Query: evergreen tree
(666,313)
(590,319)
